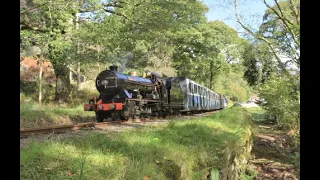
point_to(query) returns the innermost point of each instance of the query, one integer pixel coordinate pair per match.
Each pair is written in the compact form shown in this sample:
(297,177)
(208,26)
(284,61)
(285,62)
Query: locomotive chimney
(113,68)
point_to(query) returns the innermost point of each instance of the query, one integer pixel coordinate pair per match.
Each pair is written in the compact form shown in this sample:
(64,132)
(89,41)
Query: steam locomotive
(124,96)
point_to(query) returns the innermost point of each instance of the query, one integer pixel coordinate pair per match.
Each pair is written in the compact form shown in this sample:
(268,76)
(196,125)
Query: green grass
(179,150)
(32,115)
(258,114)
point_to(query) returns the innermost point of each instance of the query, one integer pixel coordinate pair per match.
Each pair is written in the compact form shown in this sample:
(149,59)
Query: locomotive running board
(144,100)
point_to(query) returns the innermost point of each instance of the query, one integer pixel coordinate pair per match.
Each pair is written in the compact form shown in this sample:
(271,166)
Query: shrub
(30,89)
(282,98)
(82,94)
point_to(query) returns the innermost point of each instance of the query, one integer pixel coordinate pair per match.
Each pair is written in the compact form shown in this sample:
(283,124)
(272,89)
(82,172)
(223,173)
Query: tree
(50,24)
(118,28)
(282,97)
(232,84)
(258,61)
(280,31)
(208,48)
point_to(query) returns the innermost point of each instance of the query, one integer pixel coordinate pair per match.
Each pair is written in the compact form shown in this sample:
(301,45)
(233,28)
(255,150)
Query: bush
(233,86)
(82,94)
(24,98)
(30,90)
(282,100)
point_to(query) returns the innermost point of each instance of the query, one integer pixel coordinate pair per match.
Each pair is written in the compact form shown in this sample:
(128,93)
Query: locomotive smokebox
(113,68)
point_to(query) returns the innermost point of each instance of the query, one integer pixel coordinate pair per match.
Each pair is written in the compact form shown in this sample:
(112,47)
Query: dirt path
(273,154)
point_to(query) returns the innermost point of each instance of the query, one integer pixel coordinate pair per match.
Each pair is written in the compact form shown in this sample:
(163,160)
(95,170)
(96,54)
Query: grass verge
(34,116)
(179,150)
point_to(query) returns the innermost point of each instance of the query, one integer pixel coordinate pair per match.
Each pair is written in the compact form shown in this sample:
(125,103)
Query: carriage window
(190,87)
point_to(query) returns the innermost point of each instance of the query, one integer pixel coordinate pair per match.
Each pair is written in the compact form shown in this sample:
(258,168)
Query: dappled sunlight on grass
(33,116)
(181,149)
(59,157)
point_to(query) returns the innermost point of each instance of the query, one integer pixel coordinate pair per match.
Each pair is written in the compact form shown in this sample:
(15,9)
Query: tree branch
(282,66)
(36,7)
(284,20)
(296,13)
(278,8)
(25,26)
(104,5)
(276,12)
(114,4)
(116,13)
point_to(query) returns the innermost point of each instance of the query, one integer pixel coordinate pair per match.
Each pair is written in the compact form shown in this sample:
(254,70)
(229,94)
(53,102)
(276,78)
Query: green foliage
(155,35)
(183,150)
(207,48)
(281,25)
(31,91)
(248,173)
(143,28)
(258,61)
(81,96)
(214,174)
(282,98)
(232,85)
(59,50)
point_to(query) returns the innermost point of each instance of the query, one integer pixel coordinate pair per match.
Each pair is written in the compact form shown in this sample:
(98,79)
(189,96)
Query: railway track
(26,132)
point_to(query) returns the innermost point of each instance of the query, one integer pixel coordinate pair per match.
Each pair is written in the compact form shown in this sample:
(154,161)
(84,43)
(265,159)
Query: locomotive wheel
(124,118)
(164,115)
(115,116)
(99,118)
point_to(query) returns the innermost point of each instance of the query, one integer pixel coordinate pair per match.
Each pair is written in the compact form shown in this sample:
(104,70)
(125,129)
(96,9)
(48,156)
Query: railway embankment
(34,116)
(217,145)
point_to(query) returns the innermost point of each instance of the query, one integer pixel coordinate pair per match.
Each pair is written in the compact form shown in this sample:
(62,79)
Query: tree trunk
(63,86)
(98,60)
(78,52)
(40,79)
(211,74)
(70,74)
(78,75)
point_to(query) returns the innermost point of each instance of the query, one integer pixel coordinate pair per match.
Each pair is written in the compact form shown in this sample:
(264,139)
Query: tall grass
(32,115)
(180,150)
